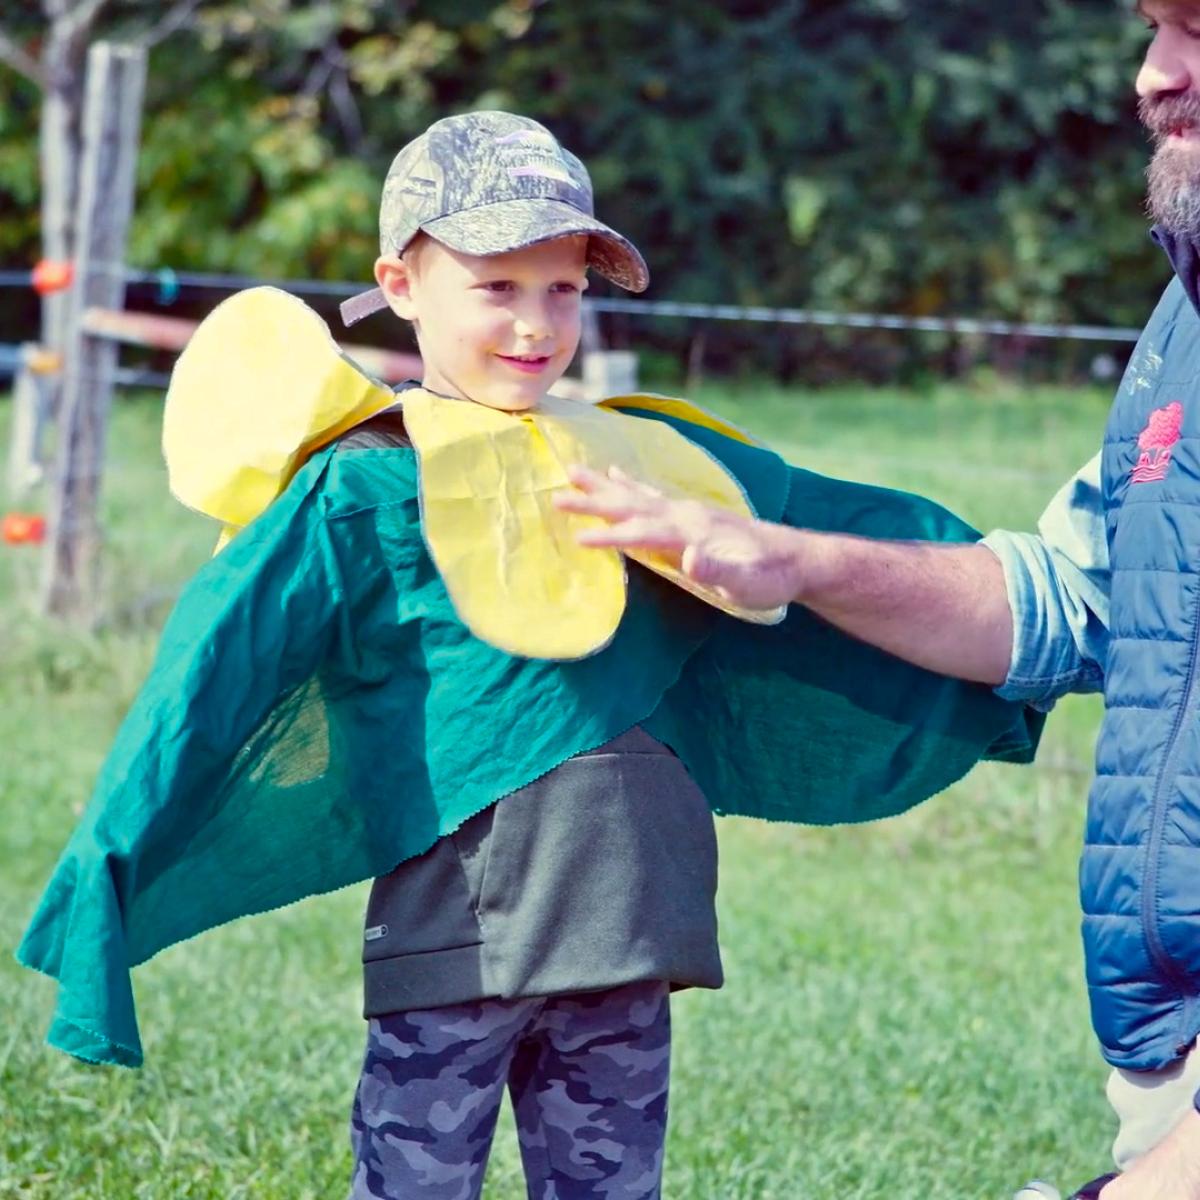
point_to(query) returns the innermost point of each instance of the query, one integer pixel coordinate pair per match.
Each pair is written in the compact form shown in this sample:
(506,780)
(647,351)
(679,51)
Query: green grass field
(904,1014)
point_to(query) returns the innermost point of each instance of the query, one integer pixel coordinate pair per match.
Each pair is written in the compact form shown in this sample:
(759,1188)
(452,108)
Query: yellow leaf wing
(259,388)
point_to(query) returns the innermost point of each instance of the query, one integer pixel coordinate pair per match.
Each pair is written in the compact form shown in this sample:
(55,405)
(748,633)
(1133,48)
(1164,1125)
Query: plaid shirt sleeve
(1058,591)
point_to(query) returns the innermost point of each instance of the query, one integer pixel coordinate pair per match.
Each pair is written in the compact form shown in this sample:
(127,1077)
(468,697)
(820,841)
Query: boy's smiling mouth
(529,364)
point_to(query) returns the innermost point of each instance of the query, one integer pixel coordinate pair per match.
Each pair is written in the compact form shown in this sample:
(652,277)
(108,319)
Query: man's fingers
(585,478)
(644,532)
(589,480)
(595,504)
(701,568)
(634,485)
(696,566)
(613,496)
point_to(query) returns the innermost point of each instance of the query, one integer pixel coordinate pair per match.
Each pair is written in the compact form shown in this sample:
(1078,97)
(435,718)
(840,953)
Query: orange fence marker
(52,276)
(23,529)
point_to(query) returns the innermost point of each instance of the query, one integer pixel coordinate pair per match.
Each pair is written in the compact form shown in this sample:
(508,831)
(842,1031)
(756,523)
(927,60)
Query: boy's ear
(394,277)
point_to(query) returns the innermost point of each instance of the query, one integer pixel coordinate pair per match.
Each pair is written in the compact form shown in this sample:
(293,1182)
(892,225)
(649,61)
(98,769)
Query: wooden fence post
(610,373)
(111,123)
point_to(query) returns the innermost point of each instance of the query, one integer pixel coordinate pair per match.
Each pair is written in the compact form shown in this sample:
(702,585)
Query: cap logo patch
(528,137)
(539,173)
(537,156)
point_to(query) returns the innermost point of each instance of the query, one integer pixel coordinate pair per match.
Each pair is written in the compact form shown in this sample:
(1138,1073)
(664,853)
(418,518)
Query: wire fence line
(169,282)
(850,320)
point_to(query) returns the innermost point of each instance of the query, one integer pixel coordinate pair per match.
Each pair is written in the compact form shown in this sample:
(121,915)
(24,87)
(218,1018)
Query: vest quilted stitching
(1140,872)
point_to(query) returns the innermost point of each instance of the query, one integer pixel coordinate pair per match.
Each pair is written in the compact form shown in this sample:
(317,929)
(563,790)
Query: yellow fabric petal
(509,558)
(661,456)
(684,410)
(259,388)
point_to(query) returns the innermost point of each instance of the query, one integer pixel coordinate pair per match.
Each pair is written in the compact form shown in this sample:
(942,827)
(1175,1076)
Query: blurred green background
(905,1012)
(904,156)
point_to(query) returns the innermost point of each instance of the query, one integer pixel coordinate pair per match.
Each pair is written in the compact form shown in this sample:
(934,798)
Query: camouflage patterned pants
(588,1077)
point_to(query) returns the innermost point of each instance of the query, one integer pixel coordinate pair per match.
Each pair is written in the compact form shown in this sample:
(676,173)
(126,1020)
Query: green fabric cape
(317,713)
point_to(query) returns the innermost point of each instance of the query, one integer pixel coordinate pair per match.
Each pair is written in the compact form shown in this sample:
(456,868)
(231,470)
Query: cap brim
(515,224)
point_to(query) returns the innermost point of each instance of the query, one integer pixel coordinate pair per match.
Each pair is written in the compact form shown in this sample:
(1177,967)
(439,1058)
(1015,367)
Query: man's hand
(943,607)
(752,563)
(1171,1171)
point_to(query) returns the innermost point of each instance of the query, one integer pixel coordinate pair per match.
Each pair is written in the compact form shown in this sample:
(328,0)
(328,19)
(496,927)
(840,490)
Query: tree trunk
(112,117)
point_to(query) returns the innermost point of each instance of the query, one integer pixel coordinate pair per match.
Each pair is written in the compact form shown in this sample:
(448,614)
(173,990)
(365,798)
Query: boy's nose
(533,323)
(1170,65)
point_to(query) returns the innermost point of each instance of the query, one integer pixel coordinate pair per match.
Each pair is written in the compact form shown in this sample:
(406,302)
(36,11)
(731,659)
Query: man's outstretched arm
(943,607)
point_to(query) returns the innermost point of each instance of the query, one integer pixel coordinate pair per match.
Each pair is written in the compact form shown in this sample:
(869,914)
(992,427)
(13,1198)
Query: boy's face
(499,330)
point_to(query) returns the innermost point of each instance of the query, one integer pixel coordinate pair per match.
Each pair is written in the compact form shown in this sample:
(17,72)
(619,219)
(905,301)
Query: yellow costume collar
(262,386)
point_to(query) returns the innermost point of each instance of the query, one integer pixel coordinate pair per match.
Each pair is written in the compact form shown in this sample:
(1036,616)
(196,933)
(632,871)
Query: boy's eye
(565,286)
(498,286)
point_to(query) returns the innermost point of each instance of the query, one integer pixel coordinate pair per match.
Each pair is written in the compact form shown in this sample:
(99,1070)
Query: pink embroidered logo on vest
(1155,442)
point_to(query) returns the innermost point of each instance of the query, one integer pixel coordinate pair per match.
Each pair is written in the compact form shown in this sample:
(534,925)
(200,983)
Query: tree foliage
(895,155)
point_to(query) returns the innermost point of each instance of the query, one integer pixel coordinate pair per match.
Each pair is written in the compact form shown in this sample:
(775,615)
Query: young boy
(322,709)
(535,946)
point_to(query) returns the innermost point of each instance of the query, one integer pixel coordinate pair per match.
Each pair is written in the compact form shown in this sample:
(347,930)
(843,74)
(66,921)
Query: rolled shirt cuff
(1049,624)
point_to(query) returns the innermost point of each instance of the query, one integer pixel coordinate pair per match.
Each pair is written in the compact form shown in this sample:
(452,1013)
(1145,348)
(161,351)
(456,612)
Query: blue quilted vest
(1140,873)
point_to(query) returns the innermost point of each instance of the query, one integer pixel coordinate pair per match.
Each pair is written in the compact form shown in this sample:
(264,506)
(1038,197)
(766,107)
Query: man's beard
(1173,176)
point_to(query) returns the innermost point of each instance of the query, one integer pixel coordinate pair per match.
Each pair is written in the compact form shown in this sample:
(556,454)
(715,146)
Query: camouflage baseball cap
(489,182)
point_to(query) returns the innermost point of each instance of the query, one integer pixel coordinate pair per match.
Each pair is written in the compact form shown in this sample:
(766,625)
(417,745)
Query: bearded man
(1105,597)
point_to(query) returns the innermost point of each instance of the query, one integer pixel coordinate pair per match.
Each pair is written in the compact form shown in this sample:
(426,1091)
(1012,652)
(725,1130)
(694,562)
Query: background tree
(894,155)
(48,48)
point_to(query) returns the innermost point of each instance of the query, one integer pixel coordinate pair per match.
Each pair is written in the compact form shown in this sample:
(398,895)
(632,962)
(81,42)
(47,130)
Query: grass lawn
(904,1014)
